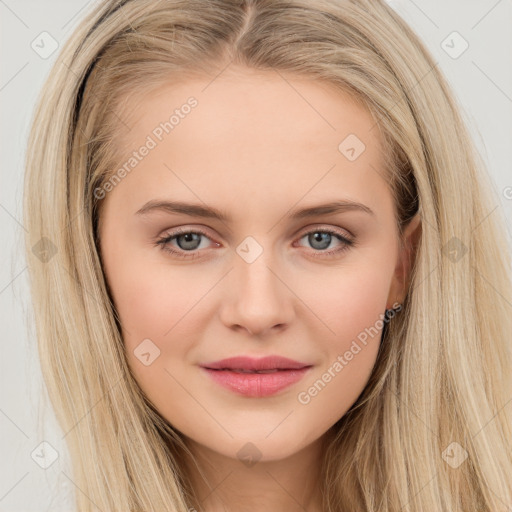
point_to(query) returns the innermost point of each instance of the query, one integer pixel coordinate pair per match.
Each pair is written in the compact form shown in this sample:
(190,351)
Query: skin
(256,146)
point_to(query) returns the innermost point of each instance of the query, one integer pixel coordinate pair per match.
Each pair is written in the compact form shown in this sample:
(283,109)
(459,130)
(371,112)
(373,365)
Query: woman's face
(277,275)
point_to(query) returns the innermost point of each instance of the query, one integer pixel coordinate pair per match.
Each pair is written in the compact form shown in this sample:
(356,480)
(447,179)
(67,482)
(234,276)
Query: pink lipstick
(256,377)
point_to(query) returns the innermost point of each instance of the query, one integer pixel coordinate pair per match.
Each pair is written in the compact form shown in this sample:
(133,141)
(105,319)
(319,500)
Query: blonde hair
(444,367)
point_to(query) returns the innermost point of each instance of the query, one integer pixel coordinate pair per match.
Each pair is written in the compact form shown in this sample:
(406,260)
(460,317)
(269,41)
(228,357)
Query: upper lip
(251,363)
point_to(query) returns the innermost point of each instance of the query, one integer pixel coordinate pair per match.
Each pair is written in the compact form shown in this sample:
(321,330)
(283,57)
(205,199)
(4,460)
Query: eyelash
(164,241)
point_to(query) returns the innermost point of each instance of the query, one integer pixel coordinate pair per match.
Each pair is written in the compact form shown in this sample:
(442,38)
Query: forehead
(258,132)
(242,98)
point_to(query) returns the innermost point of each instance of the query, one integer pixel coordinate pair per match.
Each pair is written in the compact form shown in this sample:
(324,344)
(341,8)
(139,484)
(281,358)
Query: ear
(405,261)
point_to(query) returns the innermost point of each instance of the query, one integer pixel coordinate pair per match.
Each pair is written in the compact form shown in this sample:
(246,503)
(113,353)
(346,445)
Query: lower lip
(257,384)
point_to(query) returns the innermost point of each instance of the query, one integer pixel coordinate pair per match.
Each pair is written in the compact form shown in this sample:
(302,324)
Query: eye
(321,239)
(188,241)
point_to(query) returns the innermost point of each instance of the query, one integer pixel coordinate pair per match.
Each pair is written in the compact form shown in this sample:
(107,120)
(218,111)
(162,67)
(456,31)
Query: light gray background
(481,78)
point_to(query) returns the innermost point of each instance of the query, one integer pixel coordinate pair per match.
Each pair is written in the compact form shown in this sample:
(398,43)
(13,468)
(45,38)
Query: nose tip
(258,303)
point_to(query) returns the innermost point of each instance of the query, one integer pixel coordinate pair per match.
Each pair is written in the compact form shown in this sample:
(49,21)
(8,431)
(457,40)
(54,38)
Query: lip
(287,372)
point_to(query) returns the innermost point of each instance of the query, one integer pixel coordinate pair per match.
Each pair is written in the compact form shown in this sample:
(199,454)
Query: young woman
(266,268)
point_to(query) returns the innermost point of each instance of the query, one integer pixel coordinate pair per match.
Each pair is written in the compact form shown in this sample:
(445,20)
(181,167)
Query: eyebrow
(208,212)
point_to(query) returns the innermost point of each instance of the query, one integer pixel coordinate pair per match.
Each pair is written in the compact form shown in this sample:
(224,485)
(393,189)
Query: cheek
(351,300)
(155,305)
(352,307)
(154,302)
(152,298)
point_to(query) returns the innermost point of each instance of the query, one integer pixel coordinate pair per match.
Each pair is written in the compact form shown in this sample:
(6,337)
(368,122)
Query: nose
(257,298)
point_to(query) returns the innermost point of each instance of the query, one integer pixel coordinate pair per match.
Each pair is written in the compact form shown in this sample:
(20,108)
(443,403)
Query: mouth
(256,377)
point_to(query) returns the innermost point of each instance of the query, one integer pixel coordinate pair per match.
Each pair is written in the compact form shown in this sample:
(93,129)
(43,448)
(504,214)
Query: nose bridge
(256,272)
(258,299)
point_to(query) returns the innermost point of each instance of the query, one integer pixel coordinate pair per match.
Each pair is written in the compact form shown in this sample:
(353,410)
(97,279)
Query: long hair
(432,429)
